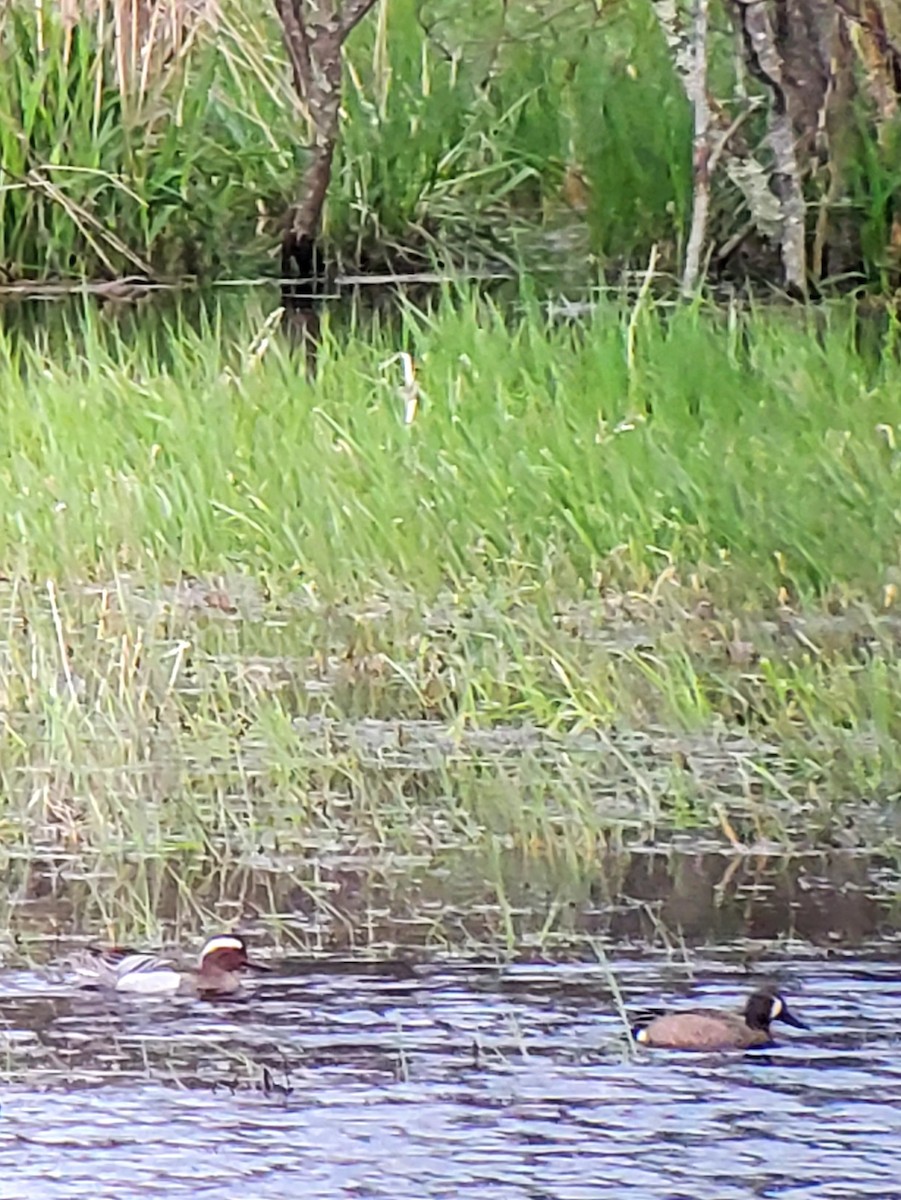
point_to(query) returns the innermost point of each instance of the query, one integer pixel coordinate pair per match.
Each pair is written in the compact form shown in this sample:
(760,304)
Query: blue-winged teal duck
(121,969)
(713,1029)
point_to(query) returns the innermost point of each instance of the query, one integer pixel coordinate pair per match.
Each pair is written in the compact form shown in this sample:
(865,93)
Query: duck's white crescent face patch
(776,1009)
(642,1037)
(222,943)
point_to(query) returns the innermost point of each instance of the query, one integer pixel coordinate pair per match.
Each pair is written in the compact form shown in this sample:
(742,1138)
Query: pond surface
(425,1033)
(465,1079)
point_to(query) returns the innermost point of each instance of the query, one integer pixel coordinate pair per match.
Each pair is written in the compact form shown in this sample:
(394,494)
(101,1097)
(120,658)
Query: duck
(123,969)
(715,1029)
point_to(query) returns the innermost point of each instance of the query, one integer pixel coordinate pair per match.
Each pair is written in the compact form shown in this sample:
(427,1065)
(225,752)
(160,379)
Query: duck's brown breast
(216,983)
(701,1031)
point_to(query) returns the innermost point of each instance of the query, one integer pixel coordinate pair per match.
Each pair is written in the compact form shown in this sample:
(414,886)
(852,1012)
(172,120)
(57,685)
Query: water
(502,1082)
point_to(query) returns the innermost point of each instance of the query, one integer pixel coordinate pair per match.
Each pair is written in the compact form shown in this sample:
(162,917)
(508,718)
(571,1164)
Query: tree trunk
(315,32)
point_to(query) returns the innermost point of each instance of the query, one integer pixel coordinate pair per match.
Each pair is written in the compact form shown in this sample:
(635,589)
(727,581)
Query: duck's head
(227,952)
(766,1006)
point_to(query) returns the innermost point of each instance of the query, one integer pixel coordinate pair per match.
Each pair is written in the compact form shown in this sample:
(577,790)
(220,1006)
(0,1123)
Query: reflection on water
(334,903)
(492,1082)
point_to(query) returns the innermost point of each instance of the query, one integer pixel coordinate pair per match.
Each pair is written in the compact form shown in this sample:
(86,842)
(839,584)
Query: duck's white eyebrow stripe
(222,943)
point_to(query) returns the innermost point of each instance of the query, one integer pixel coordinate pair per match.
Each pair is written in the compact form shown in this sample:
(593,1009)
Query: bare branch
(297,43)
(352,13)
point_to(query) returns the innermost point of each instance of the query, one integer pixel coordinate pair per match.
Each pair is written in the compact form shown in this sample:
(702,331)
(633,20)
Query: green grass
(744,457)
(611,581)
(173,172)
(471,138)
(607,583)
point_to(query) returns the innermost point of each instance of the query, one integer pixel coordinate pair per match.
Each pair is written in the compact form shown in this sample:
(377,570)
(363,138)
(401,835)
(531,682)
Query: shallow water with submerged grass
(574,666)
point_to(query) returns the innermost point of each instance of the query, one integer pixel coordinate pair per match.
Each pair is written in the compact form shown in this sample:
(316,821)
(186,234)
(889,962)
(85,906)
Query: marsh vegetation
(598,584)
(503,580)
(519,650)
(579,139)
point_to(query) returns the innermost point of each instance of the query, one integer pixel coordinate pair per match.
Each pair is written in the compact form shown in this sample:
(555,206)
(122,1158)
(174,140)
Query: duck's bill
(258,968)
(790,1019)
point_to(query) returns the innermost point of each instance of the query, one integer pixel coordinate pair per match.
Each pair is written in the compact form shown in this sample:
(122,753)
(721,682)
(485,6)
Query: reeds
(168,137)
(581,598)
(126,136)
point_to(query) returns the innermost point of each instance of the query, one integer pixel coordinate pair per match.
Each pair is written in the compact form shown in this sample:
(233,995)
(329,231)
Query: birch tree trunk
(818,65)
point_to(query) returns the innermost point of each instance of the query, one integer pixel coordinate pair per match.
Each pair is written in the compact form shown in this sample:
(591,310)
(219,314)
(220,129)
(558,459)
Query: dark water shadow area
(136,308)
(503,904)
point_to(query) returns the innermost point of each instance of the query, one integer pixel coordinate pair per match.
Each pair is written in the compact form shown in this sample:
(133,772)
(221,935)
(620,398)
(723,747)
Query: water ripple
(502,1083)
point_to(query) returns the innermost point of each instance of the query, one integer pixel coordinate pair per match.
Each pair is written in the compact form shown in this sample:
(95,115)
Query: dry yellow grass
(147,36)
